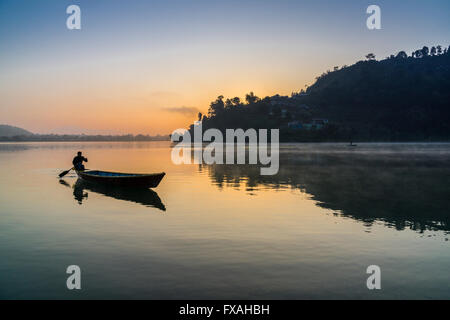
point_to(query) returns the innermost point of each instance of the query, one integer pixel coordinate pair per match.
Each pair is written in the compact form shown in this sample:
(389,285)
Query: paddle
(62,174)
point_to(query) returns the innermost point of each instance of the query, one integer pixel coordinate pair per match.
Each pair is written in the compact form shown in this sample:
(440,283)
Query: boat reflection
(145,197)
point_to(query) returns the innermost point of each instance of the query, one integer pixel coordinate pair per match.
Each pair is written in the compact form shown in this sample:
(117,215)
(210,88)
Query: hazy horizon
(82,131)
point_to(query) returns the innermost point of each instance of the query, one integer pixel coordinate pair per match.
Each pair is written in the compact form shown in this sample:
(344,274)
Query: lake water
(225,232)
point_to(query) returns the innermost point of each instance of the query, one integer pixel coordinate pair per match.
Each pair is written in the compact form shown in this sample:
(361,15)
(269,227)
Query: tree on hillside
(228,104)
(232,103)
(425,51)
(433,51)
(370,56)
(251,98)
(402,55)
(216,107)
(236,101)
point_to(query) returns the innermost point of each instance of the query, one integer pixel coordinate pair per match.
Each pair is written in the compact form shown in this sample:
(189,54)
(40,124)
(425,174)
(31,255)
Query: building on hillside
(295,125)
(314,124)
(319,123)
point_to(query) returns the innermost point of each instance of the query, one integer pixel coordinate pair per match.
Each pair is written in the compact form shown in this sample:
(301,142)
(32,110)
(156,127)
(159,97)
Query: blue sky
(148,56)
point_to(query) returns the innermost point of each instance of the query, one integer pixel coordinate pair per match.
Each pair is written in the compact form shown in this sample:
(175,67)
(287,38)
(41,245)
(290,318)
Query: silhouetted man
(78,161)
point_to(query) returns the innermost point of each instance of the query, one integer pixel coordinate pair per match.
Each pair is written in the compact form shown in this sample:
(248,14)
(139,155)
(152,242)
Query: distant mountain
(10,131)
(400,98)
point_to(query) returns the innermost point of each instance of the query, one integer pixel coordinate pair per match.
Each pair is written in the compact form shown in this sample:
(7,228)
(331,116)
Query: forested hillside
(400,98)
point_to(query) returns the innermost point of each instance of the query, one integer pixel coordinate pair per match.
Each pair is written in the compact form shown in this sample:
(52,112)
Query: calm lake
(226,232)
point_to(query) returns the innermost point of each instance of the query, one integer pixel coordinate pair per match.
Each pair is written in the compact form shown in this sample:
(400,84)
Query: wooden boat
(122,179)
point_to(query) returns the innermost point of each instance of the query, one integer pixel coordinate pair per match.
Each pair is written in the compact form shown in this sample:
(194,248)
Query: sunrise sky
(150,66)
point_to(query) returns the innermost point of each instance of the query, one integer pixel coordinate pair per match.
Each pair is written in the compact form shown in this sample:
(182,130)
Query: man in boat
(78,161)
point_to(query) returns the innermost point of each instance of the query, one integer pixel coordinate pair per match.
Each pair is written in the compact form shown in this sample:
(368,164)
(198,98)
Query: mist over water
(225,231)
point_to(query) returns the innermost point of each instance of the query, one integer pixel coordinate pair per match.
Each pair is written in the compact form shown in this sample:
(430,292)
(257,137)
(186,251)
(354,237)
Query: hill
(400,98)
(10,131)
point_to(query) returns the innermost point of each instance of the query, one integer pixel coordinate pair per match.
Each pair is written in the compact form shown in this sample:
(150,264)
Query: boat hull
(122,179)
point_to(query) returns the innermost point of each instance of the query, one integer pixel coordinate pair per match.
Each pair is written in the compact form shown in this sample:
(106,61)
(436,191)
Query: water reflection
(401,190)
(146,197)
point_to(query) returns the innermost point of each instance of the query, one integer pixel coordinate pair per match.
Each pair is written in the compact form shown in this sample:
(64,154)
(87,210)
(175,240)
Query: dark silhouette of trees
(396,99)
(216,107)
(425,51)
(433,51)
(251,98)
(402,55)
(232,103)
(236,101)
(228,104)
(370,56)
